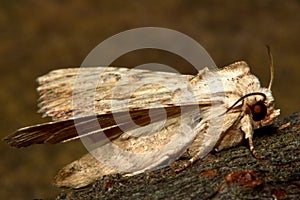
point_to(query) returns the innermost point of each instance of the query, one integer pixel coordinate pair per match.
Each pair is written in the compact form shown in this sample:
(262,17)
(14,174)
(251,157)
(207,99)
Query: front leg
(247,128)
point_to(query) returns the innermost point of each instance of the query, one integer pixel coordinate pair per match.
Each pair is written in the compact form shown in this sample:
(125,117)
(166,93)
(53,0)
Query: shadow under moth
(136,120)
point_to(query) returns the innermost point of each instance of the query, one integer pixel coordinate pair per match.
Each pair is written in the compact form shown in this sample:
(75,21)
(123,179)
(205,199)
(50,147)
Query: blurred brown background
(39,36)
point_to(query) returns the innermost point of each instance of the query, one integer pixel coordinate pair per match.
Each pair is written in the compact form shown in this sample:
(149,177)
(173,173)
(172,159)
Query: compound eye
(259,111)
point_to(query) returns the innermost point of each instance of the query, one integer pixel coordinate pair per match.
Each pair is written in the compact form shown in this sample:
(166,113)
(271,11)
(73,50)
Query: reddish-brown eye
(259,111)
(257,108)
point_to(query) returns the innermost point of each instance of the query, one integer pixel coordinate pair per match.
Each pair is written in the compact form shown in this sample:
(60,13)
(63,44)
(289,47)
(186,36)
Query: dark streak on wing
(60,131)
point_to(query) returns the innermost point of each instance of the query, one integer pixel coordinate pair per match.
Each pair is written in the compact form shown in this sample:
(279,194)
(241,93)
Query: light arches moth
(239,107)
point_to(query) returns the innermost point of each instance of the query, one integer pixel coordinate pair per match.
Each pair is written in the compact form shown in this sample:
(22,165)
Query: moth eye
(259,111)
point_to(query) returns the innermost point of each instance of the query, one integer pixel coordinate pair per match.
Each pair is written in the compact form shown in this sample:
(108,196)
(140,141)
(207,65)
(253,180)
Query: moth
(140,120)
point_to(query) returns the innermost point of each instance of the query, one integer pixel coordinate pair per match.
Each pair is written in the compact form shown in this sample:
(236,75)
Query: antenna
(271,66)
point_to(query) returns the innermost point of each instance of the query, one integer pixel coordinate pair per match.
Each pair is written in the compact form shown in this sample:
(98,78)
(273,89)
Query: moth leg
(246,127)
(252,149)
(189,162)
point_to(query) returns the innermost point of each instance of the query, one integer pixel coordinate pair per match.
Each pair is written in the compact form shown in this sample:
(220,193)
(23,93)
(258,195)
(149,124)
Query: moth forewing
(115,87)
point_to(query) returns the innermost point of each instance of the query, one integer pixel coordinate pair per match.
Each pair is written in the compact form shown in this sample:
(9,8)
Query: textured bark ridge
(229,174)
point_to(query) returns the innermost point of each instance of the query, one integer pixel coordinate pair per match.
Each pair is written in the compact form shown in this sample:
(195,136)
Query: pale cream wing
(117,89)
(81,92)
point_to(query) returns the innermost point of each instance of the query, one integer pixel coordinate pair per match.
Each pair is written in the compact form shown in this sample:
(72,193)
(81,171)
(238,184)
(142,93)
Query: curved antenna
(247,95)
(271,66)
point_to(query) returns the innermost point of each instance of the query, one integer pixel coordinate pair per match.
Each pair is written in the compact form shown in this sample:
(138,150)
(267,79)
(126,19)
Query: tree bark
(229,174)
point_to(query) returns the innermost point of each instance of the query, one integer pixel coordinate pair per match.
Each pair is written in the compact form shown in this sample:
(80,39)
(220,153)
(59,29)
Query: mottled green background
(39,36)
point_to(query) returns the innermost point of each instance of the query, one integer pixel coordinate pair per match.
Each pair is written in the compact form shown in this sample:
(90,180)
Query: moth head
(260,105)
(262,108)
